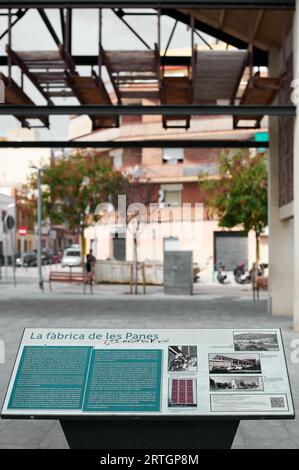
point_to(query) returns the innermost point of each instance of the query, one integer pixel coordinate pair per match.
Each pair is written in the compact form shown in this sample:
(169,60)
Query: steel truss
(178,143)
(134,110)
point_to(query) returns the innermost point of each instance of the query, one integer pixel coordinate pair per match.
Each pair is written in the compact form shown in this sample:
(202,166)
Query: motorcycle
(221,275)
(241,275)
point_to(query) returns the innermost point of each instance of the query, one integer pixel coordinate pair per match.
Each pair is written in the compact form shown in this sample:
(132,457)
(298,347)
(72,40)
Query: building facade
(173,174)
(16,166)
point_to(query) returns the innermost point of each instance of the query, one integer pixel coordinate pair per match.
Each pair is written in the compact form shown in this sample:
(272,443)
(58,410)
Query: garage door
(231,248)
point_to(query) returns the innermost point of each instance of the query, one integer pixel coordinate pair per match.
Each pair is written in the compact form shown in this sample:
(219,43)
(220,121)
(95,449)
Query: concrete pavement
(110,305)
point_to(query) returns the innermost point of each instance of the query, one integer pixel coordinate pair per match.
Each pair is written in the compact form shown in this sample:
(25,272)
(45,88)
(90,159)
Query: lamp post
(39,225)
(11,226)
(84,185)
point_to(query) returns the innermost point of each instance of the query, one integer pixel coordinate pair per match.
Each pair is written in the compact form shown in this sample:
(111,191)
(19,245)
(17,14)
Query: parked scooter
(221,275)
(242,276)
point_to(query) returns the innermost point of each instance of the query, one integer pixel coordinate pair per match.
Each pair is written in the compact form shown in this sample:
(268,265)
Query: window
(172,198)
(173,156)
(117,156)
(171,244)
(170,194)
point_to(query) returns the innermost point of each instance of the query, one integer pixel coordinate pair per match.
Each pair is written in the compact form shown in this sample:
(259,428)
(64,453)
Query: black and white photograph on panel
(182,358)
(255,341)
(234,363)
(229,383)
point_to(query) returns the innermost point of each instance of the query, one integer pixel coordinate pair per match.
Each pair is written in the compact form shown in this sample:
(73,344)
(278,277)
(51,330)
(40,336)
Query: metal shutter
(119,248)
(231,248)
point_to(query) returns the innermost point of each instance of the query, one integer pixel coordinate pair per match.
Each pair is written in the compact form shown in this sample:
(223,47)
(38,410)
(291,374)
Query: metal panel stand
(149,433)
(178,275)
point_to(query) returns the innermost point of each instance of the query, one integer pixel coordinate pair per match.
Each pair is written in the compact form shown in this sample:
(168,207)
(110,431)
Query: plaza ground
(111,306)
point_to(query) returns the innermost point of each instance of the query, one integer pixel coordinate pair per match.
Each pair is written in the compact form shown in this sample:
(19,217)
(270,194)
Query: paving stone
(29,438)
(34,425)
(3,423)
(263,429)
(239,442)
(270,444)
(55,439)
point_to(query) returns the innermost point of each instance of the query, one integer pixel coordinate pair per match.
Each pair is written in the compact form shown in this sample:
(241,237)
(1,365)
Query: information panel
(92,372)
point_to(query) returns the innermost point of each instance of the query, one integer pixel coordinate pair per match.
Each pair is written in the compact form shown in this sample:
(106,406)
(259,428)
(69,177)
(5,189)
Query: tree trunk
(136,264)
(82,244)
(257,247)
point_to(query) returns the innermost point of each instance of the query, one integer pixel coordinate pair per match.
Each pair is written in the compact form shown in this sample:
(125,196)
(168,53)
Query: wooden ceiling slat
(152,95)
(217,74)
(91,90)
(132,69)
(259,91)
(131,61)
(40,55)
(49,76)
(14,95)
(240,24)
(177,91)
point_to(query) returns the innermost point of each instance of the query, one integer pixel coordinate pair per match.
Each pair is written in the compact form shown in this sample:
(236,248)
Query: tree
(238,194)
(25,204)
(140,193)
(74,186)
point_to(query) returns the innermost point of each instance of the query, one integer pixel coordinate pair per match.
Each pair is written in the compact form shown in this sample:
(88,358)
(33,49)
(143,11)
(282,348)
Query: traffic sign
(22,231)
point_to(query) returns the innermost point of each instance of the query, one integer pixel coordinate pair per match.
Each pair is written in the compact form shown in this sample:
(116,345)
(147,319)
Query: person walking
(90,260)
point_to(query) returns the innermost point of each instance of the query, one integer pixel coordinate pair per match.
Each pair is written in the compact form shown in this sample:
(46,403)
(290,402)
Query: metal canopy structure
(207,79)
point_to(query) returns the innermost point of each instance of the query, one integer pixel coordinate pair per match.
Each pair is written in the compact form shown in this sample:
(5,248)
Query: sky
(30,33)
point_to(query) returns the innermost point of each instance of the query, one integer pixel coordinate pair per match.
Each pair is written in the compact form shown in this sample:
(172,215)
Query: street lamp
(39,224)
(84,185)
(11,225)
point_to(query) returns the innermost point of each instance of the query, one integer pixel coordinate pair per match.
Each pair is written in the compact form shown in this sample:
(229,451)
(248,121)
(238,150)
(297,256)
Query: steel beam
(19,15)
(134,110)
(62,25)
(50,28)
(247,4)
(119,15)
(92,60)
(178,143)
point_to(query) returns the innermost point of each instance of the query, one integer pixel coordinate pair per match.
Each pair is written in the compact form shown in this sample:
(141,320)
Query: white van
(71,258)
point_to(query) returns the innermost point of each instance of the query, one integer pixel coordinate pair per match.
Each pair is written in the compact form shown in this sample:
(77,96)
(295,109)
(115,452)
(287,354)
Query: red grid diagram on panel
(182,392)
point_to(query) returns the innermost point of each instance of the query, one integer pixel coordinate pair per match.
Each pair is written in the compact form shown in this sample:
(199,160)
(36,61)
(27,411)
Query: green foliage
(74,186)
(238,195)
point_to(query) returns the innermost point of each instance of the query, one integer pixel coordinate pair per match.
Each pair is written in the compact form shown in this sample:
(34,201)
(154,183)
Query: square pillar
(296,172)
(280,295)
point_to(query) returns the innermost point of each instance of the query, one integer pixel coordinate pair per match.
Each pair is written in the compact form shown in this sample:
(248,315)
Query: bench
(71,277)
